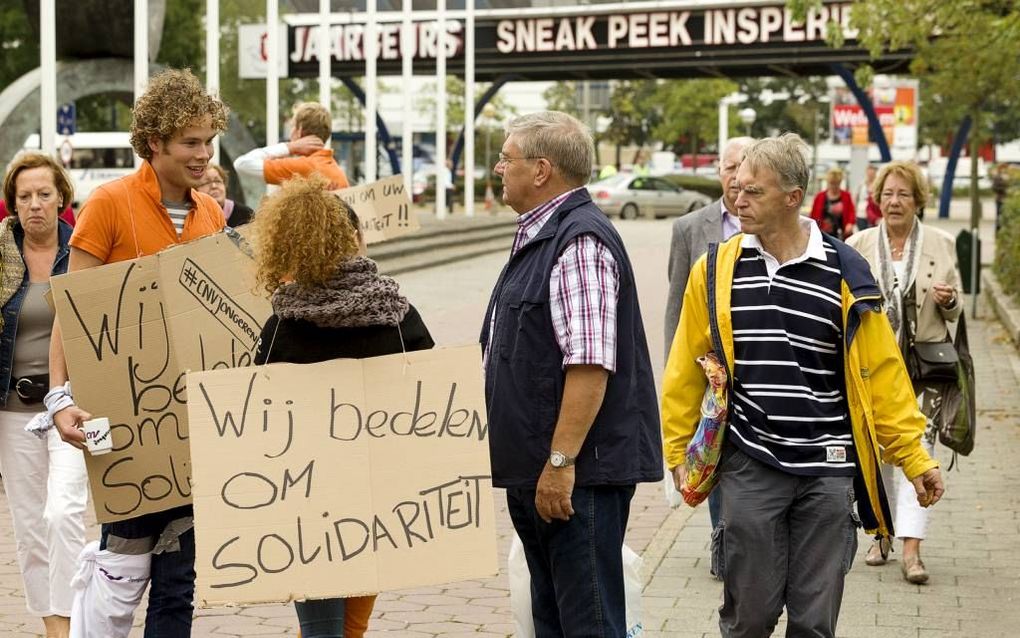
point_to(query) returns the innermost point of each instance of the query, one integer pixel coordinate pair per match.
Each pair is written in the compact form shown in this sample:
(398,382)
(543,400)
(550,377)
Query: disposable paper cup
(97,436)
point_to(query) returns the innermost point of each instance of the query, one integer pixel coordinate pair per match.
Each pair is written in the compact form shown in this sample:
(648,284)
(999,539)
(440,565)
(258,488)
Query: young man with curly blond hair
(173,125)
(307,153)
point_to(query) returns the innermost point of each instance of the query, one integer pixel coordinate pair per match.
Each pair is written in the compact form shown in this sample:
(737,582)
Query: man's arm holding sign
(69,418)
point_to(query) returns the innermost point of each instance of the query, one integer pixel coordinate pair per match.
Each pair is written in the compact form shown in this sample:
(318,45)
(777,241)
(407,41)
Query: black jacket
(240,215)
(301,341)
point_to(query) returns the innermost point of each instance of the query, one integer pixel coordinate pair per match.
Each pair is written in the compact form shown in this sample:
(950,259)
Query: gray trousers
(783,540)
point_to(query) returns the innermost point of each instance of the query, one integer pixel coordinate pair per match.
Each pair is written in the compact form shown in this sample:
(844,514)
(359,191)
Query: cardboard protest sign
(341,478)
(383,207)
(130,331)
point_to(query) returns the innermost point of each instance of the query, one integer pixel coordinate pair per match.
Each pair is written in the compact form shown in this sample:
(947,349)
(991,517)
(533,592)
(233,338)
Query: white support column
(407,47)
(272,72)
(440,159)
(325,57)
(212,59)
(469,109)
(141,69)
(371,91)
(48,80)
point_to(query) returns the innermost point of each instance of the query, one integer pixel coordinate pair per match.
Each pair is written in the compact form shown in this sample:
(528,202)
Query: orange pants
(357,611)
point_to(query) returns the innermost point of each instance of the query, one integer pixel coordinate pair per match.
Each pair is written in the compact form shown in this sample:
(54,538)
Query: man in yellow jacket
(818,391)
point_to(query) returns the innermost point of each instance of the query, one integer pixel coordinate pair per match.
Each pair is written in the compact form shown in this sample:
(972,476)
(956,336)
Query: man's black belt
(32,388)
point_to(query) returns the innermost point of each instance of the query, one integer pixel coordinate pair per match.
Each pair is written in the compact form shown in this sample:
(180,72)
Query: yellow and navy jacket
(885,420)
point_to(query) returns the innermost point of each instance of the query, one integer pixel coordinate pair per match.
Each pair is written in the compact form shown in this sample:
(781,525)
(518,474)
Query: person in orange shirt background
(307,153)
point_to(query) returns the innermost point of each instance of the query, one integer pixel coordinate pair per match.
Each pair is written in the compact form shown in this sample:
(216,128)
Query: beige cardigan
(936,264)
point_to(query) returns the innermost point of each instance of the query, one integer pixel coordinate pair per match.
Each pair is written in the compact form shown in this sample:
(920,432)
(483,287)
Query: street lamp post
(489,113)
(747,116)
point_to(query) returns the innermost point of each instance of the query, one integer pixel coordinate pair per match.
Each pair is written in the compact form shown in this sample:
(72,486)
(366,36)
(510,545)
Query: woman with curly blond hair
(329,302)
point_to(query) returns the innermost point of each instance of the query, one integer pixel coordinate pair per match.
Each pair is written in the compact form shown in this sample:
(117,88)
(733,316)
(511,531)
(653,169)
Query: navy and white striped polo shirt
(789,406)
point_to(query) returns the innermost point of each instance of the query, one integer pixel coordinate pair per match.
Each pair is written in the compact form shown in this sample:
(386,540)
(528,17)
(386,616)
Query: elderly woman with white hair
(916,269)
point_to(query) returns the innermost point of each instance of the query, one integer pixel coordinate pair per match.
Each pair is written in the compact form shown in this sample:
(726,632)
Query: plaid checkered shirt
(584,287)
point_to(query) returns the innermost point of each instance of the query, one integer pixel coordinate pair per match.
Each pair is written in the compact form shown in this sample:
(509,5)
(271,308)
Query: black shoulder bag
(927,361)
(949,364)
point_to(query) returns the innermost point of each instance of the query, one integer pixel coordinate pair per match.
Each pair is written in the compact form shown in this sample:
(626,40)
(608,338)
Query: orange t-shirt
(126,218)
(279,170)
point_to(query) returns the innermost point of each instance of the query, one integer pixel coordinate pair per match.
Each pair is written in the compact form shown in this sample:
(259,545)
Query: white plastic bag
(520,590)
(673,497)
(107,589)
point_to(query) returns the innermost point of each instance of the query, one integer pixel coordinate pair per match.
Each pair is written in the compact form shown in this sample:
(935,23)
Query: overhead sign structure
(130,331)
(895,101)
(343,478)
(595,42)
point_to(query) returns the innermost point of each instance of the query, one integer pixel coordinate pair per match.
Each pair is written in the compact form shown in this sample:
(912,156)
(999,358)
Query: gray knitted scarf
(894,290)
(356,296)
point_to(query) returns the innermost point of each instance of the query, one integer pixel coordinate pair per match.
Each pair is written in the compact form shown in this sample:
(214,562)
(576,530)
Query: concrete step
(436,241)
(401,263)
(443,242)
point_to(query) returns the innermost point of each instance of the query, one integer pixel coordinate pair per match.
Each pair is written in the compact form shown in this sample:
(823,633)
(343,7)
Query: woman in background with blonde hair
(833,208)
(44,479)
(329,302)
(916,269)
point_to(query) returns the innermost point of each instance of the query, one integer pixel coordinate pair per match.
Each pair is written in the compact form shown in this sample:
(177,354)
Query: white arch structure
(50,81)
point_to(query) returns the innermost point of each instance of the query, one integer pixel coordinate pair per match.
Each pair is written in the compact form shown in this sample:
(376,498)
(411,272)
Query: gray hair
(558,137)
(786,156)
(736,142)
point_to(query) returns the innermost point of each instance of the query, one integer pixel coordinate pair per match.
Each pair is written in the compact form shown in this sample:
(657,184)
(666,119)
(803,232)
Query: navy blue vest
(524,375)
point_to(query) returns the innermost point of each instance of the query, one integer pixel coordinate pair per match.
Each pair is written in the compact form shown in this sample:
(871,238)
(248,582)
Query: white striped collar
(815,247)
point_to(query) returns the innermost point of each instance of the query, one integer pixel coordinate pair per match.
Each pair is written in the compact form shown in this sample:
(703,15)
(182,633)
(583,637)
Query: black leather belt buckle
(30,391)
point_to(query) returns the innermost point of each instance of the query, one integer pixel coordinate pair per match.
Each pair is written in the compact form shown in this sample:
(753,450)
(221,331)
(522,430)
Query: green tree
(19,48)
(563,96)
(633,114)
(690,113)
(967,52)
(801,111)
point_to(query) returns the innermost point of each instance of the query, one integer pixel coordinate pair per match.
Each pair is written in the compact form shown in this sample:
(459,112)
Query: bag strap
(961,341)
(713,320)
(910,315)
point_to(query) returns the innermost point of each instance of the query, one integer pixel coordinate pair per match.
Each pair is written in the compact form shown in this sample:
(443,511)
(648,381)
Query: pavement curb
(1005,306)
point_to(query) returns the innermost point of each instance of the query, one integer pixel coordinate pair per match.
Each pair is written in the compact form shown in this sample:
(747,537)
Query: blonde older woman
(915,265)
(44,479)
(833,208)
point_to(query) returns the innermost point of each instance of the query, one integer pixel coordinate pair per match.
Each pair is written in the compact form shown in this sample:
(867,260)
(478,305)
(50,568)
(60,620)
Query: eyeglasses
(506,159)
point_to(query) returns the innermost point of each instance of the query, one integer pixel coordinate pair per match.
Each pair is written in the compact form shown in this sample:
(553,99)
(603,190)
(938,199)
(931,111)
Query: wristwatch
(559,459)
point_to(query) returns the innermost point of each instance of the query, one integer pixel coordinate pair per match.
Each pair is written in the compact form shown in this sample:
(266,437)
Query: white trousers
(910,520)
(108,588)
(47,489)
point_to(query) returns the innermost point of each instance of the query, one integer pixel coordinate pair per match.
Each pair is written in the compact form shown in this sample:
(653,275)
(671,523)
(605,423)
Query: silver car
(633,196)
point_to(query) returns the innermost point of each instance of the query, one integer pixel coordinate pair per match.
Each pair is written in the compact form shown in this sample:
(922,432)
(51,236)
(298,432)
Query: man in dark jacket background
(573,421)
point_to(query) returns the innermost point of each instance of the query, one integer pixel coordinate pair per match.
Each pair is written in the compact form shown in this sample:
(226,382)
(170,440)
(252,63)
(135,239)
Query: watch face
(557,460)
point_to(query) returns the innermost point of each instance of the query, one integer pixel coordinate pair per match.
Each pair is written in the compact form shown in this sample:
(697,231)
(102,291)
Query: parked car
(633,196)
